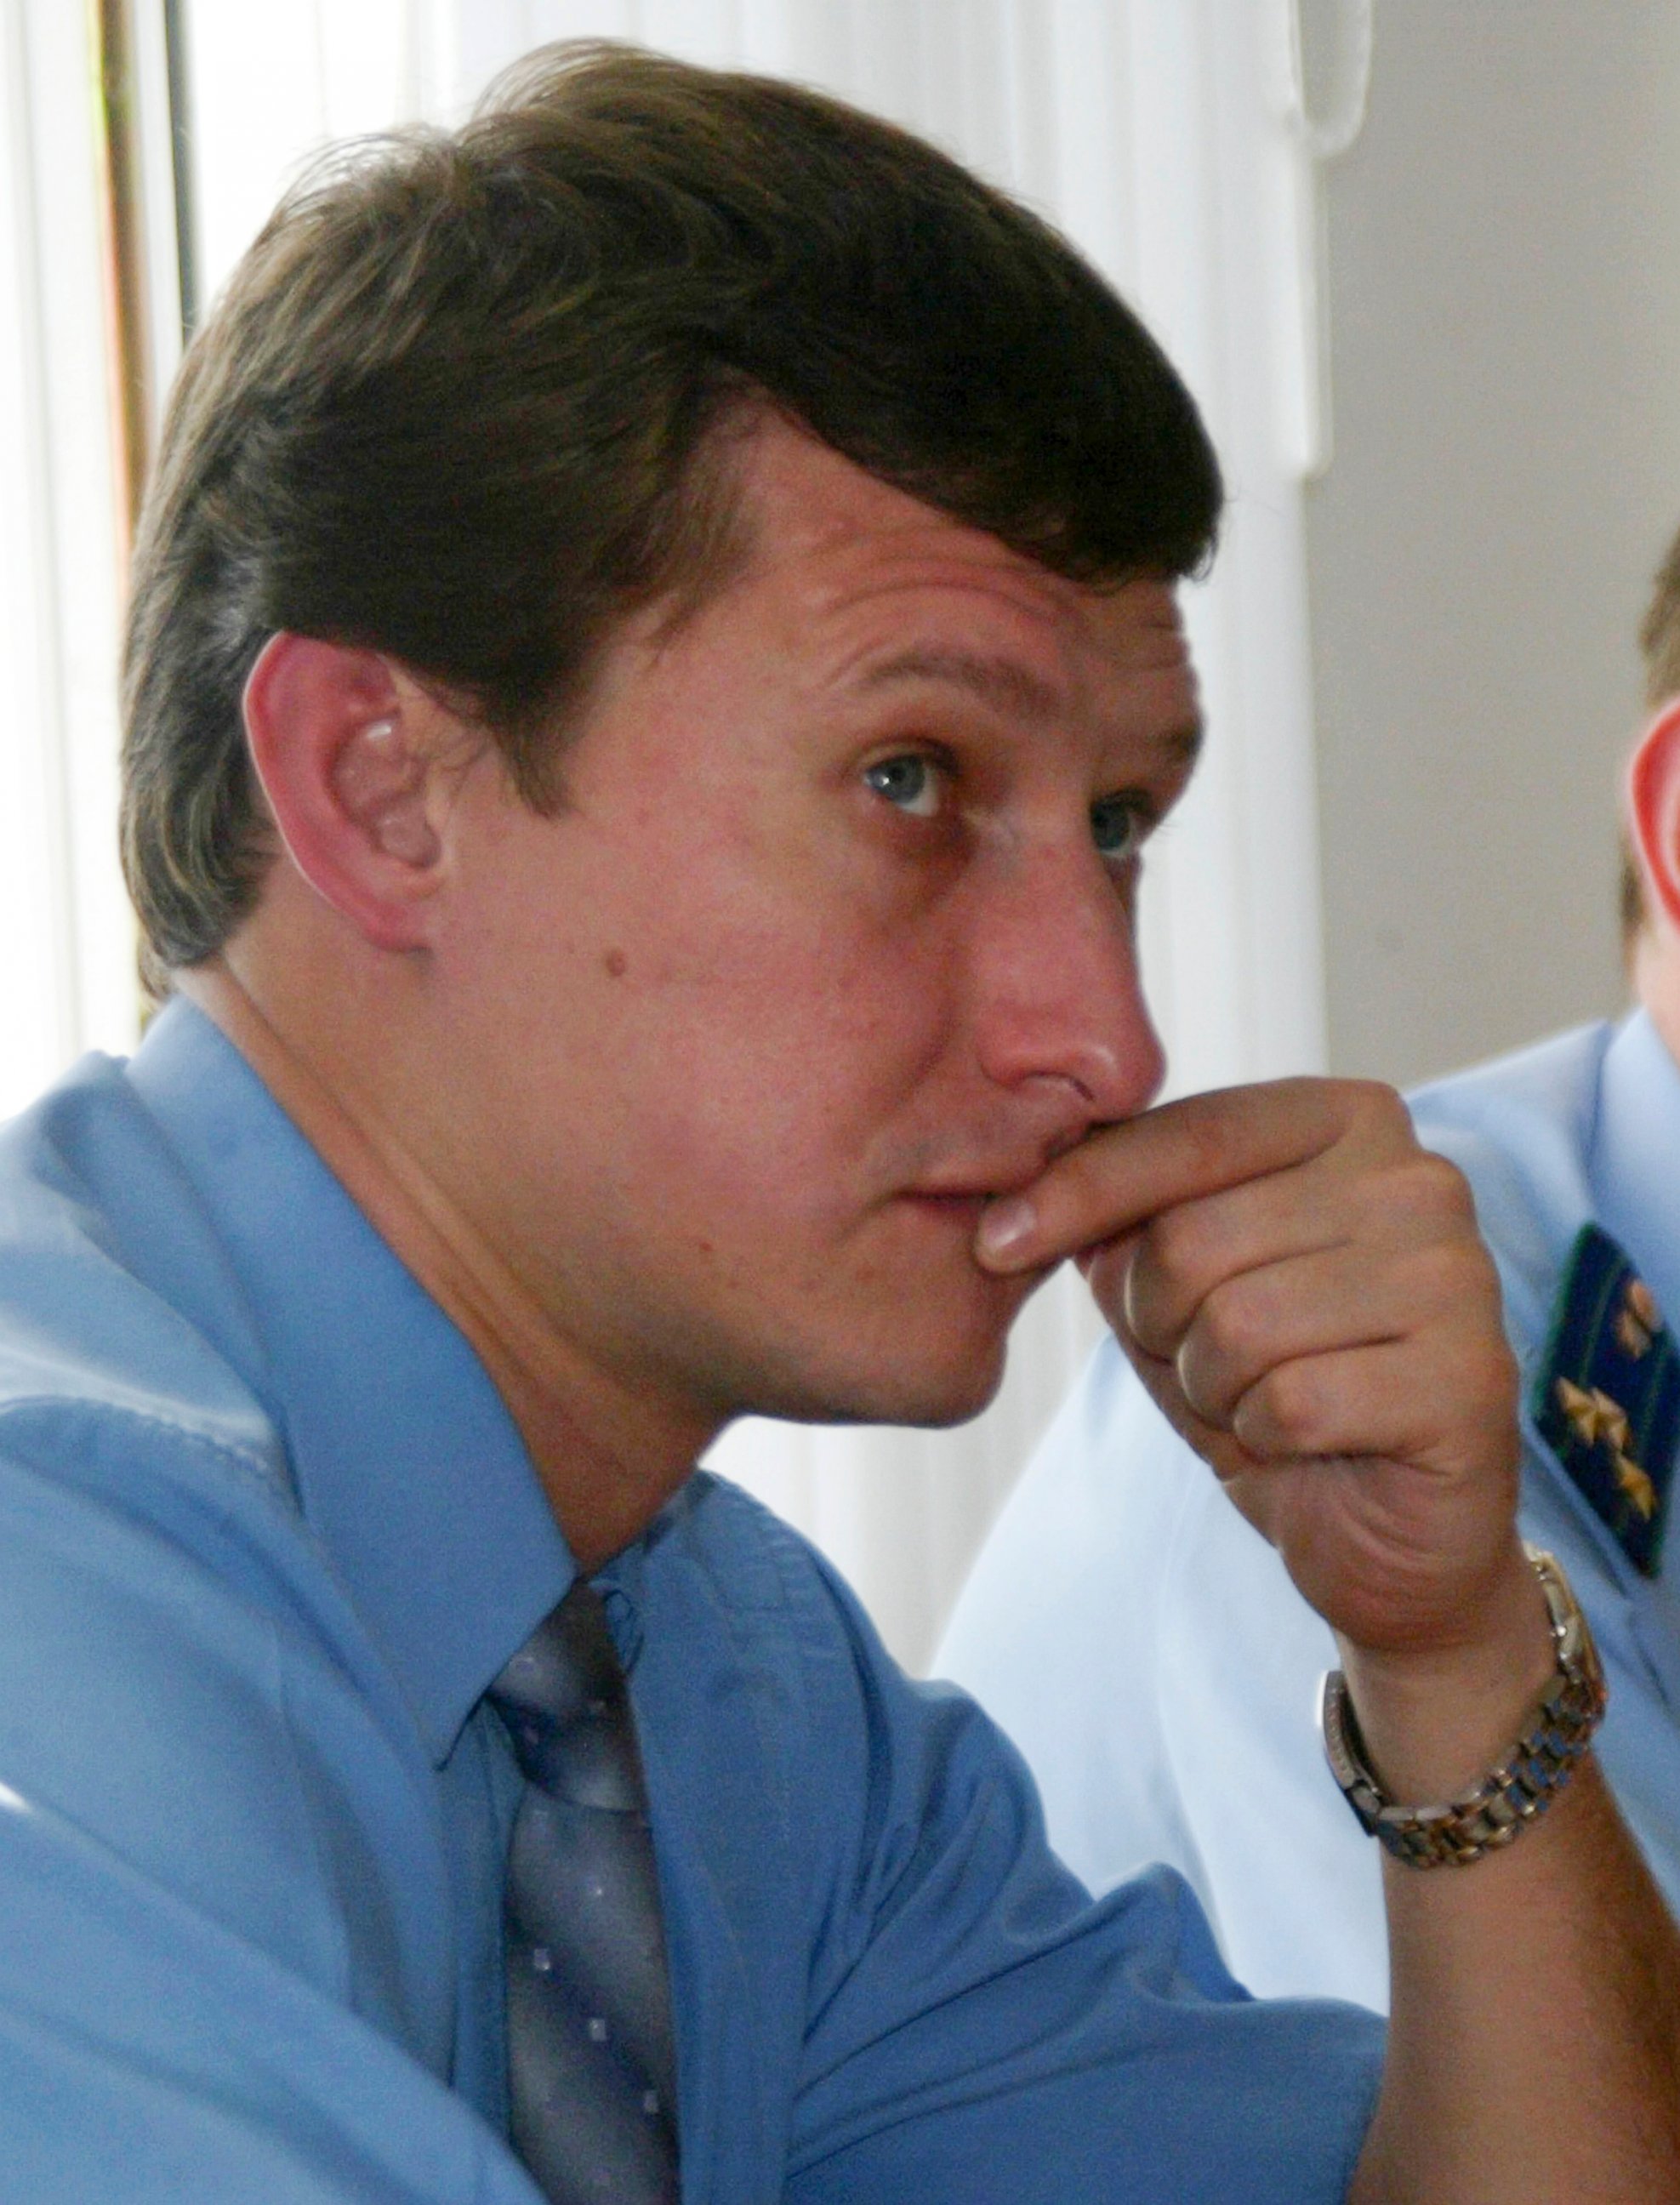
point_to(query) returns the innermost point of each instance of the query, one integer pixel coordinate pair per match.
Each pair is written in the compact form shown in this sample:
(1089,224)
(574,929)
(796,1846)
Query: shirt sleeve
(980,2029)
(225,1973)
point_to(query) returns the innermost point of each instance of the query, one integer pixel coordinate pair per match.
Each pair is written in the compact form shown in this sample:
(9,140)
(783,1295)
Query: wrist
(1435,1718)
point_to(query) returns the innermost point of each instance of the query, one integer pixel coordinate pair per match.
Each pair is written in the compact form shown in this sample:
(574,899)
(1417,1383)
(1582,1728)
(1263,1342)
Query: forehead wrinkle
(998,681)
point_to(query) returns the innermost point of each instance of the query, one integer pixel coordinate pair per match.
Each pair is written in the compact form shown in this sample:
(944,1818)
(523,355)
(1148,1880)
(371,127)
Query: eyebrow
(1003,683)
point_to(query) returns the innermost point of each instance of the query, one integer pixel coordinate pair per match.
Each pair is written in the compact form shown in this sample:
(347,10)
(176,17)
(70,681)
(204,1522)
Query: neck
(607,1459)
(1655,972)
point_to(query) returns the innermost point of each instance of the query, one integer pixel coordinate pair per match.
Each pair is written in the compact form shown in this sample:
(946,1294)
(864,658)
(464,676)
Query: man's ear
(1653,809)
(347,748)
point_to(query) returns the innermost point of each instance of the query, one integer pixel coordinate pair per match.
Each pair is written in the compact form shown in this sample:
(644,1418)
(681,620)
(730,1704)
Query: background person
(1146,1648)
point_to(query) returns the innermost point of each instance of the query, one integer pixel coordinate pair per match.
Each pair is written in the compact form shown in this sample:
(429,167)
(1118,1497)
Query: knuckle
(1428,1195)
(1233,1322)
(1178,1245)
(1374,1107)
(1441,1188)
(1290,1401)
(1458,1290)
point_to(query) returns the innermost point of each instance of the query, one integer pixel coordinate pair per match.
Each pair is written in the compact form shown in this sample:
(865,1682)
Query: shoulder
(1520,1129)
(147,1511)
(118,1410)
(1511,1124)
(96,1221)
(224,1747)
(1552,1081)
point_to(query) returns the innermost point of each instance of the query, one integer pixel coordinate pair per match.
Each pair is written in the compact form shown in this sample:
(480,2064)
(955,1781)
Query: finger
(1412,1202)
(1321,1304)
(1214,1443)
(1123,1175)
(1442,1401)
(1324,1510)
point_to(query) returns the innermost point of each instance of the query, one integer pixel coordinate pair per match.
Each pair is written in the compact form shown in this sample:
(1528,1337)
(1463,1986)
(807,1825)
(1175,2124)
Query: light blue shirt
(1146,1650)
(266,1535)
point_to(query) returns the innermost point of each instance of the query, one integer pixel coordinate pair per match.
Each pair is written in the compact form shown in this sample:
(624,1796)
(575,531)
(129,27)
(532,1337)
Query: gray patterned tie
(591,2054)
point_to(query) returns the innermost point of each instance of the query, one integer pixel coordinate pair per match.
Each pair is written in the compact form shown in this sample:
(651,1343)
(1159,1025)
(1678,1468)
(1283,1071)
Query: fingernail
(1006,1224)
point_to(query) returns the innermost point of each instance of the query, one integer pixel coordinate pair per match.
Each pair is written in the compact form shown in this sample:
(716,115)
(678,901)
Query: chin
(930,1391)
(931,1358)
(956,1400)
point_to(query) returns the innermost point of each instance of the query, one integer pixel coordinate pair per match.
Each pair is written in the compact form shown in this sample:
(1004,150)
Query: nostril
(1071,1081)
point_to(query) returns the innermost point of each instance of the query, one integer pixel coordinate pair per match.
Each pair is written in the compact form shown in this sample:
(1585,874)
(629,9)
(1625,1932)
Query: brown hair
(456,405)
(1659,645)
(1660,632)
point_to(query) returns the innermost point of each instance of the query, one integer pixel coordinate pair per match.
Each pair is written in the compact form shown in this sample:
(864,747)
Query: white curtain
(1155,133)
(67,976)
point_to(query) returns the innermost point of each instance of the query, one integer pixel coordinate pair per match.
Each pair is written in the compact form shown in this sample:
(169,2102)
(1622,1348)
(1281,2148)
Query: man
(653,658)
(1146,1648)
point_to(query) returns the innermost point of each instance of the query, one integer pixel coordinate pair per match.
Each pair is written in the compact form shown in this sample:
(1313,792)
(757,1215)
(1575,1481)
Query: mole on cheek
(615,962)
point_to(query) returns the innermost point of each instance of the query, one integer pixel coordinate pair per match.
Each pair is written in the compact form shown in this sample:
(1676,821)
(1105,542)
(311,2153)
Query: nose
(1059,1007)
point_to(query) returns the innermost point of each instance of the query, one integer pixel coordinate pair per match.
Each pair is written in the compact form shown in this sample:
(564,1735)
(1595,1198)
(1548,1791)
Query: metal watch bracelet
(1523,1784)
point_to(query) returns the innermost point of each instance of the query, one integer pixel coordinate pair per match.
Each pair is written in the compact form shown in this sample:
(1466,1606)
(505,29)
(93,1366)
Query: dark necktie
(591,2056)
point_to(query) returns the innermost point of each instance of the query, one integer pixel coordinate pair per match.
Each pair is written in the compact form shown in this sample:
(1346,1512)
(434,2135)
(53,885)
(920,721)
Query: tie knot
(567,1707)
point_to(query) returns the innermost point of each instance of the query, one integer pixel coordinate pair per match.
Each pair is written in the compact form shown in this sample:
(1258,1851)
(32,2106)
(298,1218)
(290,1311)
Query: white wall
(1504,262)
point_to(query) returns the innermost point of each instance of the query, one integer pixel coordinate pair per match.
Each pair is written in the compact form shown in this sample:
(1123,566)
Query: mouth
(953,1206)
(971,1191)
(953,1213)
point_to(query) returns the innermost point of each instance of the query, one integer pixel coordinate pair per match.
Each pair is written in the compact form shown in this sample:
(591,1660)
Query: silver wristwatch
(1525,1781)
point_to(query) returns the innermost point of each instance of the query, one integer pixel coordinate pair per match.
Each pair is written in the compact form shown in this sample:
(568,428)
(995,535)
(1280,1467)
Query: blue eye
(911,782)
(1118,826)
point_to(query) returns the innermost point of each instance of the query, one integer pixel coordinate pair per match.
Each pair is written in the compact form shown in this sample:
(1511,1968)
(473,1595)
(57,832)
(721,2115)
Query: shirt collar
(408,1467)
(1635,1159)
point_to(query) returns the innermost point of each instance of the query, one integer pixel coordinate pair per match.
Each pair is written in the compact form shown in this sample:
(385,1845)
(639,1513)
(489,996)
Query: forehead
(850,585)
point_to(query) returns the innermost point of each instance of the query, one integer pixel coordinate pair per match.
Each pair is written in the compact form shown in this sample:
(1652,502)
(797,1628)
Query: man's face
(832,943)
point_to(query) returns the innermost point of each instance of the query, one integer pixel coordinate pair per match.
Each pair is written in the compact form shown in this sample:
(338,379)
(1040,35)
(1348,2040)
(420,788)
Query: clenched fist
(1302,1288)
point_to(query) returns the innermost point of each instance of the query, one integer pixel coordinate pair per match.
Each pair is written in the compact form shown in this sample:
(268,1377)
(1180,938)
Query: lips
(961,1209)
(974,1189)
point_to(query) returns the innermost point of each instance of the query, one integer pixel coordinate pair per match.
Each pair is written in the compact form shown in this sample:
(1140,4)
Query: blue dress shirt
(266,1535)
(1145,1648)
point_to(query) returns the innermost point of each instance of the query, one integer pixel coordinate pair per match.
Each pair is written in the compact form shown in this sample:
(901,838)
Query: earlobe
(1653,809)
(343,747)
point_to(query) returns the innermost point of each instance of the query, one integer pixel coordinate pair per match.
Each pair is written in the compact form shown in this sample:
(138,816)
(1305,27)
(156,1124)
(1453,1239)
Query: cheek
(700,1016)
(776,1070)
